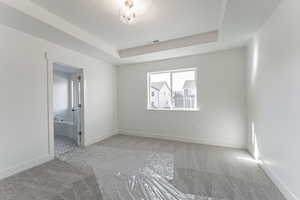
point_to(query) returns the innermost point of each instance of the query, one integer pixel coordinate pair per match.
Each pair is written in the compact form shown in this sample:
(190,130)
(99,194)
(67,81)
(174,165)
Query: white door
(77,106)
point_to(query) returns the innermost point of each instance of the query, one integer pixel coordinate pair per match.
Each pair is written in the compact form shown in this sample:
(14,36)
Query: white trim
(222,17)
(23,166)
(174,109)
(102,137)
(171,72)
(174,70)
(72,93)
(171,88)
(50,106)
(50,62)
(83,105)
(223,13)
(179,138)
(283,188)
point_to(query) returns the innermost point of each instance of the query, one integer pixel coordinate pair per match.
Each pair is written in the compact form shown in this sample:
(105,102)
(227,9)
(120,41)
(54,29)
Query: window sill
(175,109)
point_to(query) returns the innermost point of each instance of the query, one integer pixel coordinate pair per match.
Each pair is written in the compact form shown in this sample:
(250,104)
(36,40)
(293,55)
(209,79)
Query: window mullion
(148,89)
(187,94)
(171,85)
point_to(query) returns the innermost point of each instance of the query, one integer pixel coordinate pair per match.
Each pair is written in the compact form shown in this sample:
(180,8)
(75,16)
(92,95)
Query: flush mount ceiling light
(128,12)
(131,9)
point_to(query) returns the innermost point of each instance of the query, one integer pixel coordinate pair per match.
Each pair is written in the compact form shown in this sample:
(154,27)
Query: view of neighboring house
(150,100)
(186,97)
(190,92)
(160,95)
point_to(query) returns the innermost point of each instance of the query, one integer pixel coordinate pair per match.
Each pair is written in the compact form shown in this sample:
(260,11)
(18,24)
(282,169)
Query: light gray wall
(62,100)
(23,102)
(221,119)
(62,95)
(274,97)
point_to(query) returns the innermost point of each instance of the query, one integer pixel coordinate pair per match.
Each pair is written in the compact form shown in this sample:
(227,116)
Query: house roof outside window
(189,84)
(159,85)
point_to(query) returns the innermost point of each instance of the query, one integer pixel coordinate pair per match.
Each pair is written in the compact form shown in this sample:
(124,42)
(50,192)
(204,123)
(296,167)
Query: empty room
(149,100)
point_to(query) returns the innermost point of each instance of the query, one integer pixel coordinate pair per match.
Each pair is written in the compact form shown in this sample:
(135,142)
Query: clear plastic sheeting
(131,175)
(144,184)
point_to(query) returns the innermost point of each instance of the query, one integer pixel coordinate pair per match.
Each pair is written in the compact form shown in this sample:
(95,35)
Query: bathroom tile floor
(63,144)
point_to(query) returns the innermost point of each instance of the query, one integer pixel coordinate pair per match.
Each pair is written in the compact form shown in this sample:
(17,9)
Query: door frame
(50,75)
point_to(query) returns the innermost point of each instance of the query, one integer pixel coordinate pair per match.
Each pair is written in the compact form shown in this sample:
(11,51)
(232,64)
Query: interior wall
(23,102)
(61,95)
(221,119)
(274,96)
(62,100)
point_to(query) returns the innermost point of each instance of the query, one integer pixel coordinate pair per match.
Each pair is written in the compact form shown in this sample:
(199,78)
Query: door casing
(50,63)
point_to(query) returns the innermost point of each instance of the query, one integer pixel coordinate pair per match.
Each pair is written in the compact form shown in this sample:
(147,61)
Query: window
(174,90)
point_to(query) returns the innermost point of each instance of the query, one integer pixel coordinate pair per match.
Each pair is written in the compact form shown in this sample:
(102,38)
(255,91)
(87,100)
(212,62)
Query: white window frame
(149,108)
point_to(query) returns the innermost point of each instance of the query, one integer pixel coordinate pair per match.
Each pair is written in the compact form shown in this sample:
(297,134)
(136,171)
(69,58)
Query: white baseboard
(283,188)
(23,166)
(178,138)
(102,137)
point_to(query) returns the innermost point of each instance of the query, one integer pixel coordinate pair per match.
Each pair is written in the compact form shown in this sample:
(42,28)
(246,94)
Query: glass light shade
(128,12)
(131,9)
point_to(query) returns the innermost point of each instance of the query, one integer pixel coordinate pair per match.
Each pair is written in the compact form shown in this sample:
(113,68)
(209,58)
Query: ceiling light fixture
(128,12)
(131,9)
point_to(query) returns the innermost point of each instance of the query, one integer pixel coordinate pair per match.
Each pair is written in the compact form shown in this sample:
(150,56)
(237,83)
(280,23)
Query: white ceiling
(92,27)
(163,20)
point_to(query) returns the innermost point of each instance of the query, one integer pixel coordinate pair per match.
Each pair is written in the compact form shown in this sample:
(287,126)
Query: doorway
(67,108)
